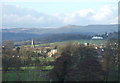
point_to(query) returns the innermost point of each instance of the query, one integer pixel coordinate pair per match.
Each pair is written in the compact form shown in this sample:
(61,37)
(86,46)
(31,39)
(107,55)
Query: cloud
(114,21)
(16,16)
(59,0)
(105,15)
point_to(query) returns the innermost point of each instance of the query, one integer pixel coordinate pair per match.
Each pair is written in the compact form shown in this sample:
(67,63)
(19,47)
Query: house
(52,52)
(86,44)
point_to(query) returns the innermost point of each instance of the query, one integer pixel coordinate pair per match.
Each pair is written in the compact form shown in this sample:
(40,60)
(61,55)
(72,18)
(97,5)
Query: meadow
(96,42)
(27,74)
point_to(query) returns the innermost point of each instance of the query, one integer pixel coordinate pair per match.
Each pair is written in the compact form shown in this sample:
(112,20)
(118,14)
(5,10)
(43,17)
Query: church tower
(32,44)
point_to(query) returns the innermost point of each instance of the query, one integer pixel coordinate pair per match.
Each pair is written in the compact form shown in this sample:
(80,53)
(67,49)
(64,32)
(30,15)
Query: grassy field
(92,41)
(36,75)
(97,42)
(42,68)
(29,75)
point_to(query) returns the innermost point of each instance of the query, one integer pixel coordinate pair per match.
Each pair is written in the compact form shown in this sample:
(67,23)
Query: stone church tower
(32,44)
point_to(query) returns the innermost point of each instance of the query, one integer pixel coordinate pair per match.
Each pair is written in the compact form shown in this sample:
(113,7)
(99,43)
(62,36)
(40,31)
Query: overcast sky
(55,13)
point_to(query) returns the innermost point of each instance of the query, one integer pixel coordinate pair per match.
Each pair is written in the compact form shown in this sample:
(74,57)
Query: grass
(36,75)
(28,68)
(80,41)
(47,67)
(33,68)
(30,75)
(96,42)
(92,41)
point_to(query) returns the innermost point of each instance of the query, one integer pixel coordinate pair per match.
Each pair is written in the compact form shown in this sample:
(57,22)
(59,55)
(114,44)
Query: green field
(36,75)
(92,41)
(29,75)
(42,68)
(97,42)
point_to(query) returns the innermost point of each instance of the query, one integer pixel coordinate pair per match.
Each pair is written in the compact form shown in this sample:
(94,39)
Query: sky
(56,13)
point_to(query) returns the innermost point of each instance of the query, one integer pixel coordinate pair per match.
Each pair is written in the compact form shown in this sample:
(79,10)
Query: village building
(52,52)
(86,44)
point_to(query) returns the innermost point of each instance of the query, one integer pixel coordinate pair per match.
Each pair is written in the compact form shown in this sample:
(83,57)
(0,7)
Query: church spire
(32,44)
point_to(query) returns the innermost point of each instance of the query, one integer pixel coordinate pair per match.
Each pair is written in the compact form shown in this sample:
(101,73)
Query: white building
(97,38)
(86,44)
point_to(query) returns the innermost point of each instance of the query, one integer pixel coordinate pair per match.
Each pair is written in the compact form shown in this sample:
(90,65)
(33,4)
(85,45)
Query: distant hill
(17,36)
(62,37)
(99,29)
(73,31)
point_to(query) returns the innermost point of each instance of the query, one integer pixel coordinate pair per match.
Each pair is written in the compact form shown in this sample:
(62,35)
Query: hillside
(60,33)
